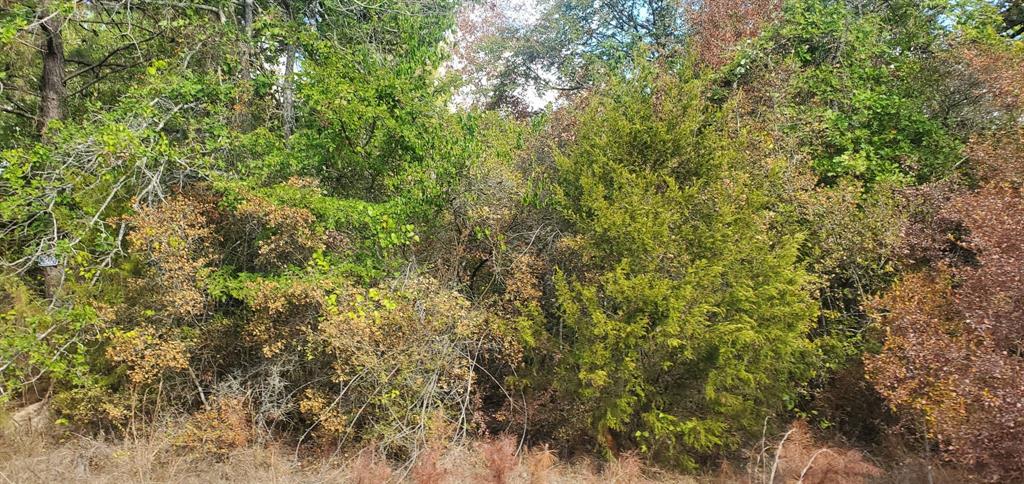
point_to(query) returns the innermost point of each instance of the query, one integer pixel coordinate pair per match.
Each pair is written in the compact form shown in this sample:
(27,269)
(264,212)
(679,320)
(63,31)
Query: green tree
(568,43)
(862,87)
(684,313)
(202,102)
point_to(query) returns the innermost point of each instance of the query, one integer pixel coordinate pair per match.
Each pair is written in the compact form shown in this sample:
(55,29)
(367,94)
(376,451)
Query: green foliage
(686,317)
(12,20)
(374,129)
(290,229)
(118,187)
(68,193)
(866,98)
(852,239)
(979,20)
(571,42)
(858,93)
(365,236)
(32,336)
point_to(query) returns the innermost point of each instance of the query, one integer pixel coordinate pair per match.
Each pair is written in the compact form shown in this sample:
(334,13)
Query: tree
(684,316)
(568,43)
(858,88)
(950,364)
(720,27)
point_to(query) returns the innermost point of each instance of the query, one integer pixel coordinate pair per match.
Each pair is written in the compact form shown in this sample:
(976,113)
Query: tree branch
(109,55)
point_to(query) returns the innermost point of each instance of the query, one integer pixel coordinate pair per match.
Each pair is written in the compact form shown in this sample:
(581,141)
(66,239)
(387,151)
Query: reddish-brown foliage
(177,240)
(291,239)
(370,468)
(427,469)
(721,25)
(219,429)
(1001,71)
(954,332)
(541,463)
(991,293)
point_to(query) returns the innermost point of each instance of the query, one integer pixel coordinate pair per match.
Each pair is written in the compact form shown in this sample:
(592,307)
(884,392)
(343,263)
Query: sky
(522,13)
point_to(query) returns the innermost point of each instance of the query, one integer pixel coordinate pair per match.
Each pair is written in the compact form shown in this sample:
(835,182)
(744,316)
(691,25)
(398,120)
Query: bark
(53,278)
(245,104)
(288,95)
(52,96)
(288,84)
(247,18)
(51,87)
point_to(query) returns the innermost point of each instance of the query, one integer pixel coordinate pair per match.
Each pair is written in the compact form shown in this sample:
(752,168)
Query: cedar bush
(684,316)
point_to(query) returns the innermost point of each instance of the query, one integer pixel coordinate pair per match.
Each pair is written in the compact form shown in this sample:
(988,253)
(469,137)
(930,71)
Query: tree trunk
(247,18)
(51,107)
(244,107)
(53,278)
(51,87)
(288,94)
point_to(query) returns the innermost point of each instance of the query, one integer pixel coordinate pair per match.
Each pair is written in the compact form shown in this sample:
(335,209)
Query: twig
(808,466)
(775,463)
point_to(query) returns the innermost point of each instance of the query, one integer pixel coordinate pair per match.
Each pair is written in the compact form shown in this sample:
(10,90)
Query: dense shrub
(277,221)
(233,308)
(684,316)
(952,331)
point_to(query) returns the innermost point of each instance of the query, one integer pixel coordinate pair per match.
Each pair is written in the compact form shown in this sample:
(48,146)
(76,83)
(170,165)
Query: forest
(427,241)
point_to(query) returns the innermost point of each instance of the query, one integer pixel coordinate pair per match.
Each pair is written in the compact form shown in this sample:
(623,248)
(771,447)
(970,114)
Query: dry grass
(801,458)
(33,459)
(160,457)
(27,457)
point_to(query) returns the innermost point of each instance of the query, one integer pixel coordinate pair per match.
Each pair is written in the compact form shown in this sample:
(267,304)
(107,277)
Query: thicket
(337,225)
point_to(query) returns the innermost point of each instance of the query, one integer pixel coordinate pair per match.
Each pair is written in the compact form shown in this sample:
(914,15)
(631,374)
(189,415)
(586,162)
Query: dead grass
(33,459)
(27,457)
(160,457)
(803,459)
